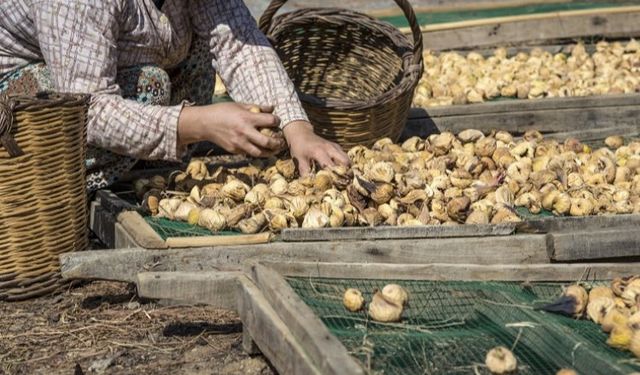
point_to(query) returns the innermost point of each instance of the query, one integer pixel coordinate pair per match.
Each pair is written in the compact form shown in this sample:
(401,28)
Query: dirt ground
(103,328)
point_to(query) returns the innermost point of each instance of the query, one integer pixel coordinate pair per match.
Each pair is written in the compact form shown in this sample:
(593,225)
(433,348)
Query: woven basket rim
(411,72)
(48,100)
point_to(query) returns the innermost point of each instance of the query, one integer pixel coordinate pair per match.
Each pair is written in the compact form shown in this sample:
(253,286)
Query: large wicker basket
(354,74)
(43,200)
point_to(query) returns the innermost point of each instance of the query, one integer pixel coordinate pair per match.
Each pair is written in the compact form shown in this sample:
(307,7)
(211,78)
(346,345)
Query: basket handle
(407,9)
(6,124)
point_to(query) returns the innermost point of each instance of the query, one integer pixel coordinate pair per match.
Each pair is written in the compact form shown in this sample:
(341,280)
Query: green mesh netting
(432,18)
(169,228)
(449,327)
(525,214)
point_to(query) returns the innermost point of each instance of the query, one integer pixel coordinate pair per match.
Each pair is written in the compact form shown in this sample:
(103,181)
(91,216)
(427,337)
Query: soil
(103,328)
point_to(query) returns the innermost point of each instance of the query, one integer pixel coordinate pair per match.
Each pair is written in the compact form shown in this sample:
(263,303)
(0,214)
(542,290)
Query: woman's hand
(306,148)
(232,126)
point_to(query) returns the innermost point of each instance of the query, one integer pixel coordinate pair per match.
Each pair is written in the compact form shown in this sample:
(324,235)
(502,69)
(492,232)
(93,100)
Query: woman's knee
(147,84)
(28,80)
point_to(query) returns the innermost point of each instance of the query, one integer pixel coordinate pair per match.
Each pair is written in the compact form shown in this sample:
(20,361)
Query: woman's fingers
(263,141)
(265,120)
(323,158)
(304,167)
(338,155)
(266,108)
(261,115)
(253,151)
(258,108)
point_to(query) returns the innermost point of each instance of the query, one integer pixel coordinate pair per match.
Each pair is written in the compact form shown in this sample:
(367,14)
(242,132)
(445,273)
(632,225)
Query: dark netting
(449,327)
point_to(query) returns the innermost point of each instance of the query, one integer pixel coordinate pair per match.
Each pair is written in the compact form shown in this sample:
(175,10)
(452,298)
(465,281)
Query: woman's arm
(78,41)
(253,73)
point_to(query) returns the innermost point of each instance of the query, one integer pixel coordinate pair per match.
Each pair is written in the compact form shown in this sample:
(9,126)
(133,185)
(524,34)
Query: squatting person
(150,66)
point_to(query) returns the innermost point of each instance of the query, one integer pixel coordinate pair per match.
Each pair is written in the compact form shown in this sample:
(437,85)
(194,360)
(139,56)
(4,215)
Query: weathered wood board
(586,118)
(580,223)
(621,223)
(462,272)
(324,349)
(270,333)
(389,233)
(103,214)
(569,26)
(386,7)
(140,231)
(125,264)
(142,234)
(590,245)
(213,288)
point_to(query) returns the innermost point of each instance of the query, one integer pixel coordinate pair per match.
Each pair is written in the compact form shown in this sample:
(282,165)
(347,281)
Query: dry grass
(102,327)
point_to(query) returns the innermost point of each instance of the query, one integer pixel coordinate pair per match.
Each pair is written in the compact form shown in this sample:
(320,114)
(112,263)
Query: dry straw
(43,204)
(354,74)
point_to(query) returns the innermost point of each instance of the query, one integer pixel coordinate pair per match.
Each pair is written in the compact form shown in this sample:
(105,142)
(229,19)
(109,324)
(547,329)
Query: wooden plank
(270,333)
(557,120)
(123,240)
(598,117)
(524,105)
(463,272)
(426,126)
(381,8)
(248,345)
(567,224)
(324,349)
(92,212)
(218,289)
(534,31)
(459,5)
(141,231)
(102,224)
(388,233)
(602,244)
(112,203)
(597,135)
(125,264)
(549,46)
(201,241)
(559,17)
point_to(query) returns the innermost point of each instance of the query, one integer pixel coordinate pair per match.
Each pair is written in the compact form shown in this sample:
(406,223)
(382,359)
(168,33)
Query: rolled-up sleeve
(244,59)
(78,42)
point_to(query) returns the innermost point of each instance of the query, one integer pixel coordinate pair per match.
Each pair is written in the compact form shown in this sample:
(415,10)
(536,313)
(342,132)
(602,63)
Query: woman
(150,67)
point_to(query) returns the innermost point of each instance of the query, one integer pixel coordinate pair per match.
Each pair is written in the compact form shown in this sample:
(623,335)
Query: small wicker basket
(354,74)
(43,204)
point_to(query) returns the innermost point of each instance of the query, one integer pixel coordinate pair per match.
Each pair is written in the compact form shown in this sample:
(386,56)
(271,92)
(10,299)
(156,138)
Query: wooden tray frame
(317,348)
(279,324)
(118,224)
(589,119)
(535,29)
(542,240)
(597,116)
(557,239)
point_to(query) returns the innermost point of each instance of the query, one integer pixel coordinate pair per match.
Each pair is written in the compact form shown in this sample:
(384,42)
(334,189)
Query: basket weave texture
(43,203)
(355,75)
